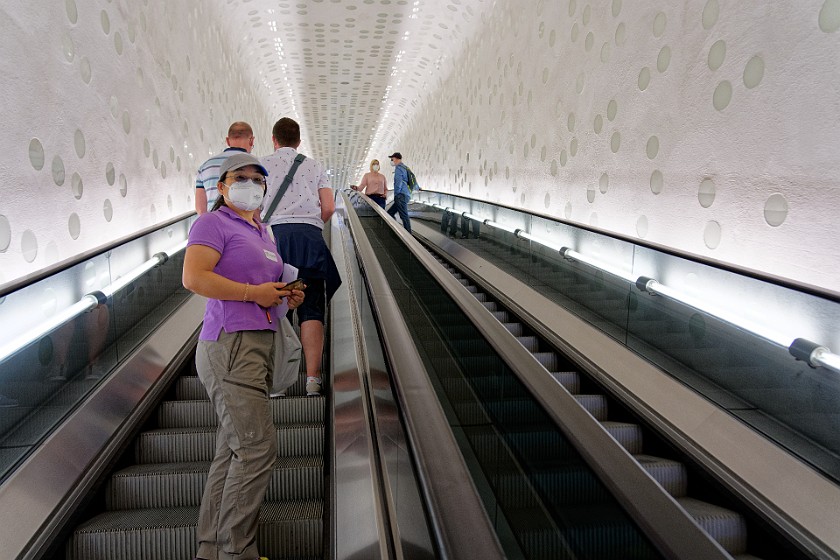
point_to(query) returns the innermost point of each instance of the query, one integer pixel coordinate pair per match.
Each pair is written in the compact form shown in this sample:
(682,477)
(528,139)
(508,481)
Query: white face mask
(375,167)
(393,163)
(245,195)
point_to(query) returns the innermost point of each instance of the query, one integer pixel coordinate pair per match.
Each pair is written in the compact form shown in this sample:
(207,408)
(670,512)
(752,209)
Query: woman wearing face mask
(232,260)
(374,184)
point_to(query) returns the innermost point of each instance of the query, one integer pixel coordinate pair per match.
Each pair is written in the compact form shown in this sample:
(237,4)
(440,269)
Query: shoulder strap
(284,186)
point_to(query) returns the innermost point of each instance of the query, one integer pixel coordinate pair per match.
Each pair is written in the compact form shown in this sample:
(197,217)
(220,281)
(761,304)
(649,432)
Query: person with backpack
(404,184)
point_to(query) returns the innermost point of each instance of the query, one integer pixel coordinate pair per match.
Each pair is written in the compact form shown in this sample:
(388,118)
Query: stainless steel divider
(360,519)
(458,520)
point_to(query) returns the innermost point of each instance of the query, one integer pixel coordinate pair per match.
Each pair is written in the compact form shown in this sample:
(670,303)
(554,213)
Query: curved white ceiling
(351,72)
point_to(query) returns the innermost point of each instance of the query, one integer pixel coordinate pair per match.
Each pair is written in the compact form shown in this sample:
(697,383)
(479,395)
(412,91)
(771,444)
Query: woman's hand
(268,294)
(294,299)
(294,296)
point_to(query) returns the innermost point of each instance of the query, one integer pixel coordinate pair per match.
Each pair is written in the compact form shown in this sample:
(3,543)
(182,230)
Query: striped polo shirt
(208,175)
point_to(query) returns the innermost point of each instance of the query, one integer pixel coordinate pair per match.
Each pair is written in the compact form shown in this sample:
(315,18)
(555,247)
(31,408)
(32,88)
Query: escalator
(151,503)
(532,457)
(479,392)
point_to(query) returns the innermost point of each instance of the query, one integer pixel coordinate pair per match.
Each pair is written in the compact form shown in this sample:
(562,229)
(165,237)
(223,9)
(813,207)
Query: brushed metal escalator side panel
(33,498)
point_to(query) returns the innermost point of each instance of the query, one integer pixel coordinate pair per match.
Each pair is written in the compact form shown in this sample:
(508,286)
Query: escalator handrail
(458,520)
(675,533)
(762,276)
(24,281)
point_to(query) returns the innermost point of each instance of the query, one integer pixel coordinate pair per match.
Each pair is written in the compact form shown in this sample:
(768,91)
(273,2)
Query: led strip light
(88,302)
(812,353)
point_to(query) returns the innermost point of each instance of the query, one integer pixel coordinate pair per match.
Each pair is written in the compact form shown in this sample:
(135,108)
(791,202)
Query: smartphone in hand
(295,285)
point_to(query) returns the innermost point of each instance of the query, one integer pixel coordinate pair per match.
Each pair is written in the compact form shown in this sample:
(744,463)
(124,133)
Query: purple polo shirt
(248,255)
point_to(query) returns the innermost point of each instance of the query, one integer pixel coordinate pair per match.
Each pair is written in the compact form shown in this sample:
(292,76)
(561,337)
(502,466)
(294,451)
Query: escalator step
(189,388)
(286,530)
(549,360)
(178,445)
(596,405)
(628,435)
(531,343)
(587,532)
(568,379)
(671,475)
(501,316)
(289,410)
(164,485)
(727,527)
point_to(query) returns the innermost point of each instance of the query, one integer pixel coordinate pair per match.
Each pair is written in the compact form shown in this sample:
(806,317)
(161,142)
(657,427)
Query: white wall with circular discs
(704,125)
(109,108)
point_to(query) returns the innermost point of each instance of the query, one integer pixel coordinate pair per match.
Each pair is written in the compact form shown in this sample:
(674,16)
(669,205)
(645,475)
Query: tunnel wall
(704,125)
(109,108)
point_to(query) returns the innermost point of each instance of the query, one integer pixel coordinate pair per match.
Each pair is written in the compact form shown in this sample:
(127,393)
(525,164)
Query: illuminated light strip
(525,235)
(88,302)
(654,287)
(812,353)
(497,225)
(574,255)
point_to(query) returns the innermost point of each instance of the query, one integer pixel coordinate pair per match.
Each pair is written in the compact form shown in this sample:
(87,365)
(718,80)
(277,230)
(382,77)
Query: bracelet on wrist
(245,295)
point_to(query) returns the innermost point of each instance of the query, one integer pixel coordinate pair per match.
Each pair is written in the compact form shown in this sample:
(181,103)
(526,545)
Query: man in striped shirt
(240,138)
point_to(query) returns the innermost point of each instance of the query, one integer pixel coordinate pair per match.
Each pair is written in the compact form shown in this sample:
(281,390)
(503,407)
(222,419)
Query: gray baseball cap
(238,161)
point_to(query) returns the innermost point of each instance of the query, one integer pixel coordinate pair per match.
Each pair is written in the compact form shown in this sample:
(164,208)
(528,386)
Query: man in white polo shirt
(297,220)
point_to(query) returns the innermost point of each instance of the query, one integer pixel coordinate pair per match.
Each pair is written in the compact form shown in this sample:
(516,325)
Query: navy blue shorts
(314,302)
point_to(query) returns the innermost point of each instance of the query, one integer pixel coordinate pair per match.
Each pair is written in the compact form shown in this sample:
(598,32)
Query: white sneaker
(313,386)
(277,394)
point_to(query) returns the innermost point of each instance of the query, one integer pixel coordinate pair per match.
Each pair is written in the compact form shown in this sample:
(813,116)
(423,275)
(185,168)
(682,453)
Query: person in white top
(374,184)
(297,223)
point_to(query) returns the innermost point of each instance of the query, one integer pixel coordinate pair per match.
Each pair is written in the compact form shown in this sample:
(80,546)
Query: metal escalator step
(531,343)
(727,527)
(285,530)
(189,388)
(628,435)
(516,329)
(289,410)
(487,387)
(568,379)
(513,412)
(541,447)
(491,306)
(671,475)
(549,360)
(563,485)
(177,445)
(591,532)
(163,485)
(501,316)
(596,405)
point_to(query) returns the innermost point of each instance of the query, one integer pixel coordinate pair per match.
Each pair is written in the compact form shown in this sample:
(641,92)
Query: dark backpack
(411,180)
